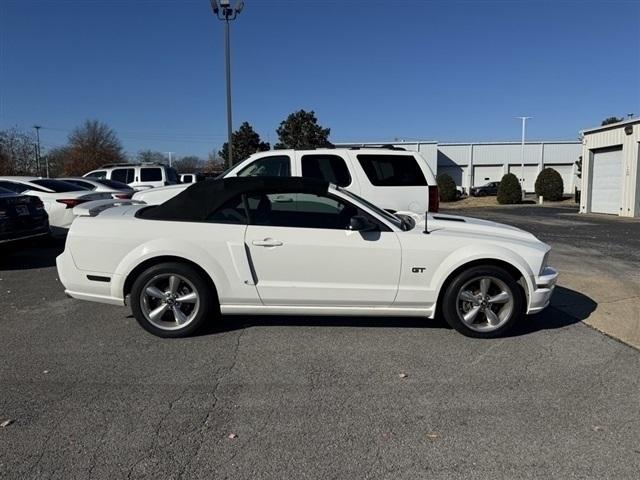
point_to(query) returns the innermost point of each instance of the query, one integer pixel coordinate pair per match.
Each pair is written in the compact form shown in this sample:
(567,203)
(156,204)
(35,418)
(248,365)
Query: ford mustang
(299,246)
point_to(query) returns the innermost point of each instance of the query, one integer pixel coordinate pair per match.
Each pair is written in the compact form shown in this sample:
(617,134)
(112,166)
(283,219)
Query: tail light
(71,202)
(123,196)
(434,199)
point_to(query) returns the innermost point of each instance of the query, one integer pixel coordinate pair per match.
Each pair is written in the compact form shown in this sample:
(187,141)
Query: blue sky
(371,70)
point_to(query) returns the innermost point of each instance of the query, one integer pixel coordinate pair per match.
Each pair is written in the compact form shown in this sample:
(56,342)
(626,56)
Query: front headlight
(545,261)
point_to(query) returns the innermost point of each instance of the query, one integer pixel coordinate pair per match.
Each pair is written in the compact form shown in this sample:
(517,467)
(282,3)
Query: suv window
(273,166)
(330,168)
(392,170)
(124,175)
(14,187)
(97,174)
(300,210)
(153,174)
(172,175)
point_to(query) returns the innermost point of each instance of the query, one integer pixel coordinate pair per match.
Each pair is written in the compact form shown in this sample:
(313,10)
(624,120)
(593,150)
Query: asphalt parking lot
(90,395)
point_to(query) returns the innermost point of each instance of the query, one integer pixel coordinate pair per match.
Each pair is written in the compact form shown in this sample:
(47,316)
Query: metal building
(473,164)
(610,172)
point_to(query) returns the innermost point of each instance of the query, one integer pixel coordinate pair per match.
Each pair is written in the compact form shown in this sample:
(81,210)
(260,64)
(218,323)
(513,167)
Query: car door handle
(283,199)
(267,242)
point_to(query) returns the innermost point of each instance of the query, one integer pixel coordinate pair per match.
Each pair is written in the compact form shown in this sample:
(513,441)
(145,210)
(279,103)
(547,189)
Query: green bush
(509,190)
(446,187)
(549,185)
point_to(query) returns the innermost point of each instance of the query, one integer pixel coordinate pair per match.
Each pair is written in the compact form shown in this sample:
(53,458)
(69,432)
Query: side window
(80,183)
(231,212)
(14,187)
(97,174)
(273,166)
(153,174)
(124,175)
(330,168)
(392,170)
(300,210)
(172,175)
(187,179)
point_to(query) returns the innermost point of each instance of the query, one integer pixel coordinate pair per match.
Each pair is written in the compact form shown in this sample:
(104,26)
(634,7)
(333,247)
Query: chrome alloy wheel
(485,303)
(169,301)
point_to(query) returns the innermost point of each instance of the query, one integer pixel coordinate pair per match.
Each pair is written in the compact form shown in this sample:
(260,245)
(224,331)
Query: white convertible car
(299,246)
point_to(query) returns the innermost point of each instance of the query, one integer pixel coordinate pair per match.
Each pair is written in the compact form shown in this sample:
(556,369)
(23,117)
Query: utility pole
(524,129)
(169,153)
(38,127)
(224,11)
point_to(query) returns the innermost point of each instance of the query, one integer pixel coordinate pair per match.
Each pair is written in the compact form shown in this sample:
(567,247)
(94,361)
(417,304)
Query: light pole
(38,127)
(524,129)
(224,11)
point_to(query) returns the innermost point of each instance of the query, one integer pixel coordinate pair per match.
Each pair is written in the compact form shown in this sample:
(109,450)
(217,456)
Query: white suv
(139,176)
(394,179)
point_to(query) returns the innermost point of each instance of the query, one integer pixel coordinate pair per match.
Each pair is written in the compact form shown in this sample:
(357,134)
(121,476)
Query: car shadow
(567,308)
(31,254)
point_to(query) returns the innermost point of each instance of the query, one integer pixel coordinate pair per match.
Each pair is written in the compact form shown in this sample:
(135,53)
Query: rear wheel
(483,302)
(171,300)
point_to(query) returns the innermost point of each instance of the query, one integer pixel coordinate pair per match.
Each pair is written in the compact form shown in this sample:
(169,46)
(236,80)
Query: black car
(21,217)
(490,188)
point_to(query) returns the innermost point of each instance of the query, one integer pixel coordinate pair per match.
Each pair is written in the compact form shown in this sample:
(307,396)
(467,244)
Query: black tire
(450,301)
(192,280)
(481,193)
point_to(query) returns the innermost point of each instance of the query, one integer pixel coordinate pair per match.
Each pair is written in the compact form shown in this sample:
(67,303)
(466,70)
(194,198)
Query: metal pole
(38,127)
(228,69)
(524,123)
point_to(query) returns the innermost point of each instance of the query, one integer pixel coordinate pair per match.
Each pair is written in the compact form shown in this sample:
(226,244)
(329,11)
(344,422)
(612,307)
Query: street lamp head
(239,6)
(215,7)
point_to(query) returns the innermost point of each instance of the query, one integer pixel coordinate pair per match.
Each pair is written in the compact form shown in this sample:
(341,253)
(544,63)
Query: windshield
(57,185)
(383,213)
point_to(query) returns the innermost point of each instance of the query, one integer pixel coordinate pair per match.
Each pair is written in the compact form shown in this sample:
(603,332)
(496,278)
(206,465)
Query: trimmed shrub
(446,187)
(549,185)
(509,191)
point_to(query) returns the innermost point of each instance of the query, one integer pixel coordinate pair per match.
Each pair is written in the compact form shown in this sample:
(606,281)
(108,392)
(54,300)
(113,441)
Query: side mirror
(361,223)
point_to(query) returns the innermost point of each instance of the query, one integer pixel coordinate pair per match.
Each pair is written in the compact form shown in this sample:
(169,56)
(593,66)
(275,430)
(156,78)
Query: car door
(302,253)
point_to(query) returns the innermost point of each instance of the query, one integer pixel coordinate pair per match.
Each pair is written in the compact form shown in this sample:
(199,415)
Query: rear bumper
(78,285)
(540,298)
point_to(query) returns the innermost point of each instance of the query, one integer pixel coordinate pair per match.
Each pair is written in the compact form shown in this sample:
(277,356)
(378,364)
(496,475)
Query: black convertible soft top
(201,199)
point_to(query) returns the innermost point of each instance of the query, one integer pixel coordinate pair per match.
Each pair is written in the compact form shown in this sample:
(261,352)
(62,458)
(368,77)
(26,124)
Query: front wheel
(171,300)
(483,302)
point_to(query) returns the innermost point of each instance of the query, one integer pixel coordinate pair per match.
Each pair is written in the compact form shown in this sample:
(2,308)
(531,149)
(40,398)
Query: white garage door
(606,180)
(530,175)
(455,172)
(487,173)
(566,172)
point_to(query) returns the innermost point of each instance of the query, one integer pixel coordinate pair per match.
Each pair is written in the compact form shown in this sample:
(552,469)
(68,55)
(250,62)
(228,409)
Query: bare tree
(17,153)
(151,156)
(189,164)
(91,145)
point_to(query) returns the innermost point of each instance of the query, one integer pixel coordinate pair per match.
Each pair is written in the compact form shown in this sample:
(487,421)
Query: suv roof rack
(382,146)
(129,164)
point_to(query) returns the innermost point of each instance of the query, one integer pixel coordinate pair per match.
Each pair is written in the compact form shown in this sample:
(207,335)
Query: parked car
(115,189)
(300,246)
(396,180)
(191,177)
(58,197)
(139,176)
(21,217)
(490,188)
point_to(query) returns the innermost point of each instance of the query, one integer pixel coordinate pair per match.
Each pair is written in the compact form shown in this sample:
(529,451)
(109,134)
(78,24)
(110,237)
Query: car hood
(469,225)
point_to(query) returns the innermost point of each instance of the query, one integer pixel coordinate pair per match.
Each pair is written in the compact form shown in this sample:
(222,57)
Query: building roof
(631,121)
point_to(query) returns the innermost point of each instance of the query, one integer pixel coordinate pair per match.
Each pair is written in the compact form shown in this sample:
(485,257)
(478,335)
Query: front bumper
(541,296)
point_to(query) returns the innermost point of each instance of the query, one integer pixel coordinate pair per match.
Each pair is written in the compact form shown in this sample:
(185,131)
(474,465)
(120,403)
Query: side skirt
(312,310)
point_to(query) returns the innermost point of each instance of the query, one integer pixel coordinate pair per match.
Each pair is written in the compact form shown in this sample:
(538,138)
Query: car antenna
(426,218)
